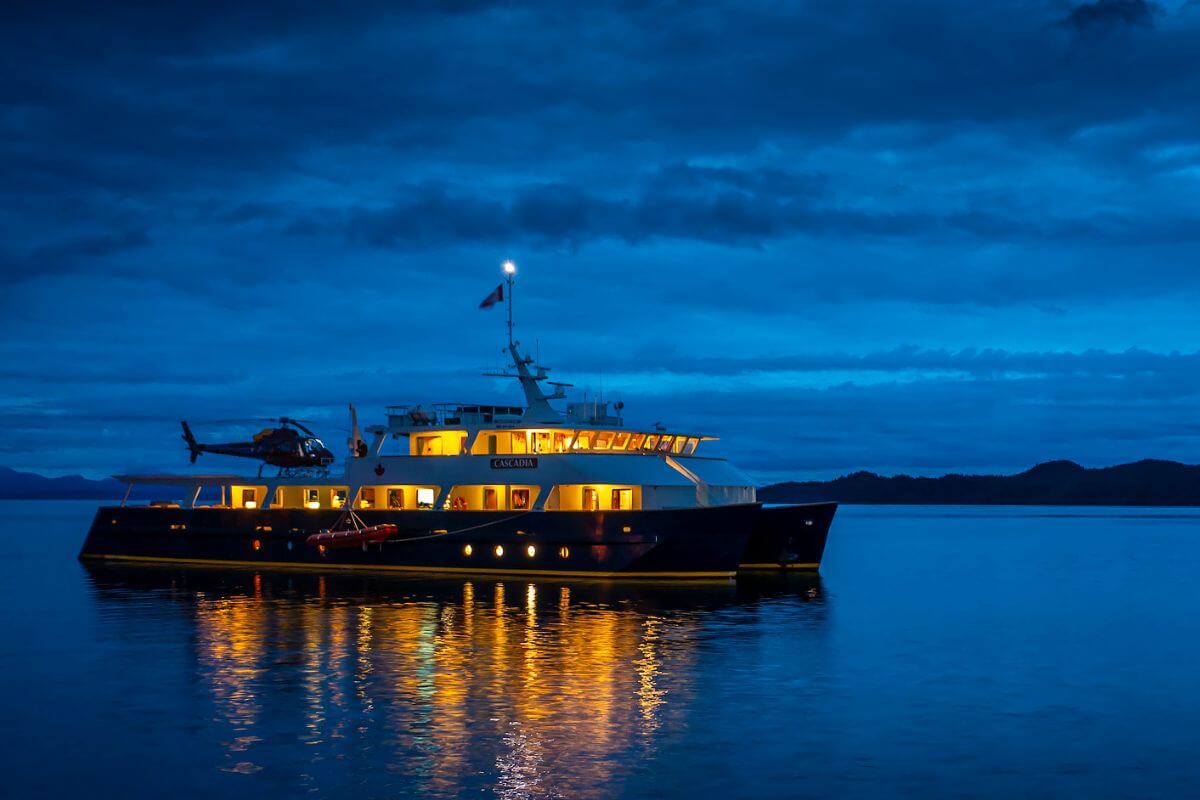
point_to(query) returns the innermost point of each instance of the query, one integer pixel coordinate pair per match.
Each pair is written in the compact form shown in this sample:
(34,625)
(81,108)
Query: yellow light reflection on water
(527,684)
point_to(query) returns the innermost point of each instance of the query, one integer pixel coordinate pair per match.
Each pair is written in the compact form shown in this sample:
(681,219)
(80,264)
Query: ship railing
(449,414)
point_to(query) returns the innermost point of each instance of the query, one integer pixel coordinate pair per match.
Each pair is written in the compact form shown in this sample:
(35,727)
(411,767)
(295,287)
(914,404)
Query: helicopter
(281,447)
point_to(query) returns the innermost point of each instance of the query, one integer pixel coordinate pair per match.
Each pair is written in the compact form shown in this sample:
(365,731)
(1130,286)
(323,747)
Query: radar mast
(538,409)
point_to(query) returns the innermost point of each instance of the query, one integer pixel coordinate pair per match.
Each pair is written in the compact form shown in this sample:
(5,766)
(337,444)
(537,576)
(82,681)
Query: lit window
(366,498)
(561,440)
(250,498)
(520,443)
(651,442)
(622,499)
(591,500)
(664,444)
(520,499)
(604,440)
(490,499)
(312,498)
(429,445)
(692,443)
(620,441)
(584,440)
(541,443)
(677,445)
(395,499)
(635,441)
(425,498)
(339,498)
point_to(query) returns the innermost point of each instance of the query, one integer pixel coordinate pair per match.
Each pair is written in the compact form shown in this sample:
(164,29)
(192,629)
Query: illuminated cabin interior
(547,441)
(594,497)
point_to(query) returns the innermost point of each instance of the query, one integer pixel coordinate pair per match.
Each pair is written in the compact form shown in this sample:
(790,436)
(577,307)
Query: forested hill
(1142,483)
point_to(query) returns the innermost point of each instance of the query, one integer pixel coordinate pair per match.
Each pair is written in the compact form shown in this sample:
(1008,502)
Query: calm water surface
(943,652)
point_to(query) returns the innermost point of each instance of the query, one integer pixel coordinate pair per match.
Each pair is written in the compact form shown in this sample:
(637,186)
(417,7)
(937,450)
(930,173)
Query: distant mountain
(27,485)
(1055,483)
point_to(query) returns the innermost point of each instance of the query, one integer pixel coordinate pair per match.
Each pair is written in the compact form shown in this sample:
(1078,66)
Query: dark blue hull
(702,542)
(789,537)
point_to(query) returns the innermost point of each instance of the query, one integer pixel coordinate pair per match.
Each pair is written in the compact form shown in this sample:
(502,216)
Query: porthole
(563,552)
(257,544)
(467,549)
(531,551)
(499,550)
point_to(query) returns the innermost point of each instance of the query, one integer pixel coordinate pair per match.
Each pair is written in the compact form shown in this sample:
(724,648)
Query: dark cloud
(1105,15)
(863,229)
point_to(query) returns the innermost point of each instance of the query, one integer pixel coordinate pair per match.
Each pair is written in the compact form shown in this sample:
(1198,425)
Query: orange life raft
(371,534)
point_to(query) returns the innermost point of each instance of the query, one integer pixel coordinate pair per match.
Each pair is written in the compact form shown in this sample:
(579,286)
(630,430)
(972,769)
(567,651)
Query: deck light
(531,551)
(499,551)
(509,268)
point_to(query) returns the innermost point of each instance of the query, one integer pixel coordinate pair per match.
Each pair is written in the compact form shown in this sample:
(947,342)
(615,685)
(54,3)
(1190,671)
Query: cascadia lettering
(519,462)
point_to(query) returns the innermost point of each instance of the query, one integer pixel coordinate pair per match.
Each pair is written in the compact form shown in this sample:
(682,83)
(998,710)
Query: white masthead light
(509,267)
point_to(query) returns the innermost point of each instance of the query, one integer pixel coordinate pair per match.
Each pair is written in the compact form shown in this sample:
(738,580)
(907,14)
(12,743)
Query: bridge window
(584,440)
(425,498)
(692,443)
(651,442)
(620,440)
(604,440)
(395,499)
(664,444)
(622,499)
(635,441)
(678,445)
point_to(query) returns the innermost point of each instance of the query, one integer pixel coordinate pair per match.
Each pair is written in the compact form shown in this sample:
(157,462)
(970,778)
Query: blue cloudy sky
(914,237)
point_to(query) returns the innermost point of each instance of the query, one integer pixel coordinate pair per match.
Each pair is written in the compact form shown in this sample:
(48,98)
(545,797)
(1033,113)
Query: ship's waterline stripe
(319,567)
(813,565)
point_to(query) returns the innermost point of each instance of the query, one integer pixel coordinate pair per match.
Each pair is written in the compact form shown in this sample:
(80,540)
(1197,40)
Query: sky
(918,237)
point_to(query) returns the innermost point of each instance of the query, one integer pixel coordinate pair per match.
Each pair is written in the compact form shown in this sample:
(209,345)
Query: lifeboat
(371,534)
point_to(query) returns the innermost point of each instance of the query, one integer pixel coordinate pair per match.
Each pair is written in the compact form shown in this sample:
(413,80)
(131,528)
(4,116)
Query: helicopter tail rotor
(193,445)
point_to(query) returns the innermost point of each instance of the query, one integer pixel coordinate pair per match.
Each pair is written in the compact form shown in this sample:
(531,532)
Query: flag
(493,298)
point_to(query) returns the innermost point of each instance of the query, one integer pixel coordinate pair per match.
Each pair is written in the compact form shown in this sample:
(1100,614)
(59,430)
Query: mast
(510,272)
(538,409)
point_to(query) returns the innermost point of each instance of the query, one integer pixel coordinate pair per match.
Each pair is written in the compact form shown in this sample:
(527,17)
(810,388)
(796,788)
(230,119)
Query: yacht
(551,487)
